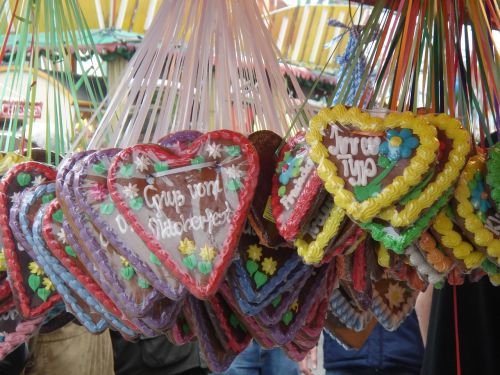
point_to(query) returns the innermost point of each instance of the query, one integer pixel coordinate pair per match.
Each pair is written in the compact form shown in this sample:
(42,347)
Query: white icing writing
(163,227)
(298,183)
(166,198)
(9,315)
(317,224)
(345,148)
(205,189)
(493,224)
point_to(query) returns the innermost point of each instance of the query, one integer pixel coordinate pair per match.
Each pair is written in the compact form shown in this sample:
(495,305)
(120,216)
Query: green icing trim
(69,250)
(493,176)
(58,216)
(417,190)
(398,243)
(23,179)
(233,150)
(144,284)
(34,282)
(99,168)
(154,259)
(126,170)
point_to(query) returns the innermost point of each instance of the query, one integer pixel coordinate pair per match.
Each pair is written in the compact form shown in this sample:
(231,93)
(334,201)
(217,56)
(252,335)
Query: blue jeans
(255,360)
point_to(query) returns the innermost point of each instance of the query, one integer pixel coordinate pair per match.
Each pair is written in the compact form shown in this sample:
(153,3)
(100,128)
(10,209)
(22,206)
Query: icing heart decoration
(297,190)
(368,163)
(33,291)
(189,208)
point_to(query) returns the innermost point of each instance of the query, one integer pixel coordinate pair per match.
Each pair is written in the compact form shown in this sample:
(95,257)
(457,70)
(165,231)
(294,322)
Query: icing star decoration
(207,253)
(269,266)
(186,246)
(254,252)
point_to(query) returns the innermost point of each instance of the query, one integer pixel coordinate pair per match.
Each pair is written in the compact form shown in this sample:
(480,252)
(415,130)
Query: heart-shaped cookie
(218,357)
(189,209)
(310,294)
(71,271)
(259,270)
(181,333)
(413,213)
(92,195)
(493,176)
(16,331)
(474,211)
(87,316)
(231,331)
(297,190)
(321,232)
(260,216)
(393,301)
(33,291)
(369,163)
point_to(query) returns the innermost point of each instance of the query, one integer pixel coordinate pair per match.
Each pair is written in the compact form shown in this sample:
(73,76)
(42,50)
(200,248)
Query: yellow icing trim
(453,240)
(495,279)
(449,174)
(9,159)
(383,256)
(482,236)
(313,252)
(419,165)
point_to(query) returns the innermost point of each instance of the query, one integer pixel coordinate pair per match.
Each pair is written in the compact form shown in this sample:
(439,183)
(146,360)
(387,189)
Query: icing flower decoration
(399,144)
(186,246)
(99,192)
(130,191)
(124,261)
(3,263)
(214,150)
(269,266)
(254,252)
(289,168)
(47,283)
(207,253)
(479,196)
(395,295)
(35,269)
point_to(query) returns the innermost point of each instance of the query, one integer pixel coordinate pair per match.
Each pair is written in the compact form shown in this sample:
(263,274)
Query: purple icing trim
(132,255)
(309,295)
(178,141)
(15,225)
(217,356)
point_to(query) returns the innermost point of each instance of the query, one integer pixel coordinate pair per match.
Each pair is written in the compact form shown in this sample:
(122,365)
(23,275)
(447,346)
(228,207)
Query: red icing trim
(10,247)
(245,196)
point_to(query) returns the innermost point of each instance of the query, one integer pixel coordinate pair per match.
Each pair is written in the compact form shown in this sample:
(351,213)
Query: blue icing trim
(61,277)
(343,310)
(282,276)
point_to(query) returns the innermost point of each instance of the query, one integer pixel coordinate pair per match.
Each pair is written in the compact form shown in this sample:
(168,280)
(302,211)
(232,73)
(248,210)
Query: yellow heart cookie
(368,163)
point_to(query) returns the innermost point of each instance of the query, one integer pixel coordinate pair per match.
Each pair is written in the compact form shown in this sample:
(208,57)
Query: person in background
(390,353)
(255,360)
(156,356)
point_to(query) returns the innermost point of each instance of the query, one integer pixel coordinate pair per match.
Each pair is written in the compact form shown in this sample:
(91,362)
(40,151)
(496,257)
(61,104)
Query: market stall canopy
(302,33)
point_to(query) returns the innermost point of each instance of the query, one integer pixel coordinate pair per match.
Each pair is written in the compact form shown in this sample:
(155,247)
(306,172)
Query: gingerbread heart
(231,331)
(349,313)
(217,356)
(87,316)
(393,301)
(62,259)
(309,296)
(189,209)
(16,331)
(32,289)
(260,216)
(474,211)
(320,234)
(369,163)
(493,176)
(181,333)
(297,190)
(179,141)
(413,213)
(260,273)
(93,198)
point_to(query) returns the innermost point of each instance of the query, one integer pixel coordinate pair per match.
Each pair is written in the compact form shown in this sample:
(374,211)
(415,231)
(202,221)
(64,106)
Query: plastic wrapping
(31,288)
(62,259)
(297,191)
(189,209)
(116,235)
